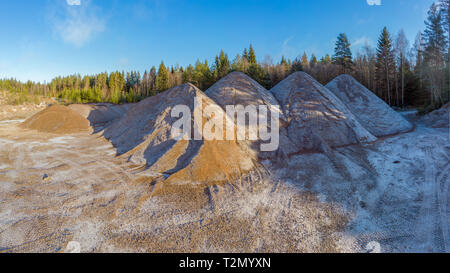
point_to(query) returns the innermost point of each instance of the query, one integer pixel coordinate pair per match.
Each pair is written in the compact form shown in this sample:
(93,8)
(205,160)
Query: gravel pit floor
(54,190)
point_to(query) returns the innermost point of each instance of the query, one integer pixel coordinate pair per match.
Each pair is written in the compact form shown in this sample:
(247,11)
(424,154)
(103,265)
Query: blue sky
(45,38)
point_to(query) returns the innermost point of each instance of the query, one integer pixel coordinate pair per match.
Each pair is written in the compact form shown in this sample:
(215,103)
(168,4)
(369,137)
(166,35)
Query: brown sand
(58,119)
(143,136)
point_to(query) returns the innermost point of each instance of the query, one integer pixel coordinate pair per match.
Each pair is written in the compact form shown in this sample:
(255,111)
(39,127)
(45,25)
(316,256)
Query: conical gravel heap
(372,112)
(239,89)
(143,135)
(317,119)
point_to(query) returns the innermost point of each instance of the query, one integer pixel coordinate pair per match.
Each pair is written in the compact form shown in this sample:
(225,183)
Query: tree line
(399,73)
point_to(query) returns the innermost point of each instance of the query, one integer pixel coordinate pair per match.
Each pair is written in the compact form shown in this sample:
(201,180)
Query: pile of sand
(372,112)
(239,89)
(439,118)
(143,135)
(58,119)
(317,119)
(101,115)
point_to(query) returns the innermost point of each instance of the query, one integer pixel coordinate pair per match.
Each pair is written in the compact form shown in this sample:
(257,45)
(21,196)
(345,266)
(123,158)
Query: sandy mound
(144,136)
(101,115)
(373,113)
(317,118)
(239,89)
(58,119)
(439,118)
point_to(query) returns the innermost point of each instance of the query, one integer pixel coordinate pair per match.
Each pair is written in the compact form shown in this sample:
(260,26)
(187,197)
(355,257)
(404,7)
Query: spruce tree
(251,56)
(385,66)
(342,53)
(162,79)
(222,65)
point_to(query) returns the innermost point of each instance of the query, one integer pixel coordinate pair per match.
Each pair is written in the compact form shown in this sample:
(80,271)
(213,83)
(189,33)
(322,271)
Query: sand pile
(58,119)
(143,135)
(101,115)
(439,118)
(317,118)
(239,89)
(372,112)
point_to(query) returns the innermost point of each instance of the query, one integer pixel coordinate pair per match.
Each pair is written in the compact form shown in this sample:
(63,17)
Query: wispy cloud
(362,41)
(77,22)
(73,2)
(286,49)
(374,2)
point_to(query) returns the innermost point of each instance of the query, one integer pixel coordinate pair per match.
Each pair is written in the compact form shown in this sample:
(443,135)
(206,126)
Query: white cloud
(77,24)
(374,2)
(73,2)
(362,41)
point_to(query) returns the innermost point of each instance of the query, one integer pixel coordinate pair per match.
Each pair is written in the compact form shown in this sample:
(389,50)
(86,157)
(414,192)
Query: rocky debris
(58,119)
(317,119)
(439,118)
(239,89)
(371,112)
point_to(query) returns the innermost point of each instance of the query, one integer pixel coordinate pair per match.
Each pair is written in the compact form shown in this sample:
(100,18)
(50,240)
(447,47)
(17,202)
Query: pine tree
(162,79)
(342,53)
(385,66)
